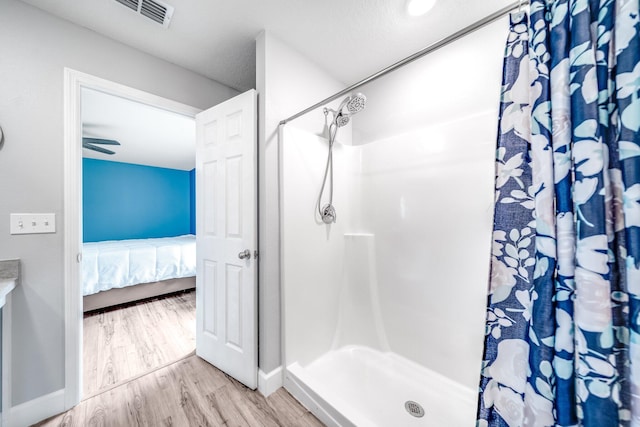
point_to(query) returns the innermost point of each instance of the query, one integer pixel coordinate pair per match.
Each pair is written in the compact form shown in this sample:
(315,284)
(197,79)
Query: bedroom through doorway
(138,239)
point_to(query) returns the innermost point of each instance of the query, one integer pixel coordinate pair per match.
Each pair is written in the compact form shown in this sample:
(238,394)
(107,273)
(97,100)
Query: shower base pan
(360,386)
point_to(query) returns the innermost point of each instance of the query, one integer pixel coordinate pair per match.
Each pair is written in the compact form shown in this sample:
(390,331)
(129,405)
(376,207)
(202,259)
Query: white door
(226,230)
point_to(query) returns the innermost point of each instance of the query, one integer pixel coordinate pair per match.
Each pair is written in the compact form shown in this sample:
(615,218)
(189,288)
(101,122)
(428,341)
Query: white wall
(421,181)
(287,83)
(34,49)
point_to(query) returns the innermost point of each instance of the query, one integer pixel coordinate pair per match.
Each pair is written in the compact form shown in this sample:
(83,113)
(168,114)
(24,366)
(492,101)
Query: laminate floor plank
(140,370)
(290,411)
(216,379)
(224,403)
(122,343)
(281,402)
(90,356)
(308,420)
(261,409)
(97,413)
(188,393)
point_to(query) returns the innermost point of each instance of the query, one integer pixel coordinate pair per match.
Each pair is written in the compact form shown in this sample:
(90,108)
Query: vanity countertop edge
(9,276)
(6,286)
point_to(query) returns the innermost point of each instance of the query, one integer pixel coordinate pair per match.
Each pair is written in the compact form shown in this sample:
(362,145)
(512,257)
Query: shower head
(356,103)
(341,120)
(353,103)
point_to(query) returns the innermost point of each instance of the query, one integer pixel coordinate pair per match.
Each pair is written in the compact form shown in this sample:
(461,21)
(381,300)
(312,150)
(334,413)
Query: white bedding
(121,263)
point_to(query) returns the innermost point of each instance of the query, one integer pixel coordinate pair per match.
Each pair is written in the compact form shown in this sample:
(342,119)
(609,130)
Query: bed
(120,271)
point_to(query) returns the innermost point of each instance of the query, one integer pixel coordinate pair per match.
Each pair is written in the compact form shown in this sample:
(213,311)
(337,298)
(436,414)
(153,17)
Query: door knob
(244,254)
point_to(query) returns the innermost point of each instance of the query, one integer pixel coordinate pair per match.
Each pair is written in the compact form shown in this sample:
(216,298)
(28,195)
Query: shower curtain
(562,342)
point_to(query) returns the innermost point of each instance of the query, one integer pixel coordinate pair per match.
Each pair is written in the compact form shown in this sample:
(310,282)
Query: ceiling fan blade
(102,141)
(96,148)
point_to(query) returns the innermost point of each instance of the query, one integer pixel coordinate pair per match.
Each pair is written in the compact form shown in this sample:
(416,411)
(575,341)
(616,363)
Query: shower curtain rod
(435,46)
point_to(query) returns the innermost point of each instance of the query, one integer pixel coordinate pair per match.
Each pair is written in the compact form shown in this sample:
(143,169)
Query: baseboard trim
(36,410)
(268,383)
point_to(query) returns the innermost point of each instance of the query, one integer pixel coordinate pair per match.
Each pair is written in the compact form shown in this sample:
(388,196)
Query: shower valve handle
(246,254)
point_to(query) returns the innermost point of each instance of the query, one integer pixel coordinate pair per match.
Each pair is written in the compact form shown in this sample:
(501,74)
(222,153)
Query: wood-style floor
(123,343)
(153,342)
(187,393)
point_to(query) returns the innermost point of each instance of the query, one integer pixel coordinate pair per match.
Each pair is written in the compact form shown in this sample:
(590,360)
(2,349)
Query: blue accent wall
(126,201)
(192,182)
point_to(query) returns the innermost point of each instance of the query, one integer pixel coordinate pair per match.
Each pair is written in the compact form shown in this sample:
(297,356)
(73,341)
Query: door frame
(74,81)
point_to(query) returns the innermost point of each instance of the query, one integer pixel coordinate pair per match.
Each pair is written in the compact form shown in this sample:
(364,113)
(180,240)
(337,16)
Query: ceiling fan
(93,144)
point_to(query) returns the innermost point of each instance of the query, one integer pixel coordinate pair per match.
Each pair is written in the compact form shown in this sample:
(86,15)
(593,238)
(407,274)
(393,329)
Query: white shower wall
(404,270)
(424,200)
(312,252)
(427,198)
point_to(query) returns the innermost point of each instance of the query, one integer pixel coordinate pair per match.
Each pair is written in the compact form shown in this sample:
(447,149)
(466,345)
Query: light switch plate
(32,223)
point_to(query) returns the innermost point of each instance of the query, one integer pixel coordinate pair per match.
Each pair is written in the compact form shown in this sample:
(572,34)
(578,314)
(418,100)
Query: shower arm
(517,5)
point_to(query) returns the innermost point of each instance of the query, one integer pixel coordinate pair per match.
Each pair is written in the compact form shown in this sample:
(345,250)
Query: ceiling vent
(154,10)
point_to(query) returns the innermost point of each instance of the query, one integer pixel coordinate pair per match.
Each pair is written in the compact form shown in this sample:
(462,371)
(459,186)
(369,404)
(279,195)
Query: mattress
(121,263)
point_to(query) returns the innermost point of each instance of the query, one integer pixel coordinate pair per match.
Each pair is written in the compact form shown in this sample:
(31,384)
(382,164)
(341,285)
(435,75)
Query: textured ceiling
(350,39)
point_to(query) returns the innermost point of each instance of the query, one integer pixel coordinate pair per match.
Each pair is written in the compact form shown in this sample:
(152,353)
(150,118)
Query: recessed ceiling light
(419,7)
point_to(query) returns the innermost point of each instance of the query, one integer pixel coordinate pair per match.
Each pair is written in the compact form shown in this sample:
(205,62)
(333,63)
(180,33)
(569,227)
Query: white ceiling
(148,135)
(351,39)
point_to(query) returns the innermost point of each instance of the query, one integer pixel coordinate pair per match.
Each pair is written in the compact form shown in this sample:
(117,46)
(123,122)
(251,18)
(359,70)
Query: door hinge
(255,254)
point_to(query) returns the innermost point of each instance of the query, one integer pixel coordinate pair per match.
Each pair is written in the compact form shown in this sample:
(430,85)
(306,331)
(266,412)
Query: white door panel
(226,226)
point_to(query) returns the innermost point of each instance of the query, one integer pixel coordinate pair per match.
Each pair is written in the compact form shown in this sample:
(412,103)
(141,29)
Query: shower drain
(414,408)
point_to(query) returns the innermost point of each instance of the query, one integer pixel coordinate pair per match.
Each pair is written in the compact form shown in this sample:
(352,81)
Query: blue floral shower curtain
(562,340)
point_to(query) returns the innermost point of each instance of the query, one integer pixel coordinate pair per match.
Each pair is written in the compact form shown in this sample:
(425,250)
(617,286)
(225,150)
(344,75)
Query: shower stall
(384,287)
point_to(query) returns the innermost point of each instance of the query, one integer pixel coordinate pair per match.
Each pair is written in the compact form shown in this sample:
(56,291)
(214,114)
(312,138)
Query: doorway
(75,82)
(138,245)
(225,128)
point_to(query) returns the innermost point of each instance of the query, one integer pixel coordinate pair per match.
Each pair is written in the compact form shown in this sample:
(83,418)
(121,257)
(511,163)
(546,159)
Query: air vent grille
(131,4)
(154,10)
